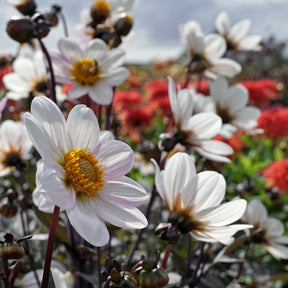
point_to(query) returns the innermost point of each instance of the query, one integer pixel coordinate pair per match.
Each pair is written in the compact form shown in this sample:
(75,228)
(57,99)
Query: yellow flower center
(83,172)
(86,72)
(102,6)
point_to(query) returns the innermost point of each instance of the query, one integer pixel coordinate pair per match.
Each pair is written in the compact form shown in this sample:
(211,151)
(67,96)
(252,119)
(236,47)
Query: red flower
(276,175)
(274,121)
(261,91)
(124,99)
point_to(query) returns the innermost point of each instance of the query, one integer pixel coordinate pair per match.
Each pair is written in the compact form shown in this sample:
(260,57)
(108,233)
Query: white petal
(240,30)
(119,214)
(83,127)
(211,190)
(96,49)
(13,82)
(226,67)
(179,169)
(50,179)
(70,49)
(215,46)
(43,203)
(211,155)
(218,89)
(255,213)
(247,117)
(159,182)
(41,140)
(274,227)
(278,251)
(238,97)
(224,214)
(52,120)
(117,76)
(77,91)
(124,190)
(101,93)
(113,59)
(86,222)
(223,23)
(204,125)
(250,43)
(24,67)
(116,158)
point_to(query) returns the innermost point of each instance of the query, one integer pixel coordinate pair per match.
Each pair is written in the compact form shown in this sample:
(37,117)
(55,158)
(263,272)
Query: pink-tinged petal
(96,49)
(13,82)
(278,251)
(179,169)
(87,224)
(223,23)
(121,214)
(224,214)
(255,212)
(70,49)
(116,76)
(116,158)
(50,179)
(250,43)
(240,30)
(124,190)
(43,203)
(274,227)
(101,93)
(211,188)
(45,146)
(113,59)
(215,46)
(83,127)
(226,67)
(52,120)
(77,91)
(204,125)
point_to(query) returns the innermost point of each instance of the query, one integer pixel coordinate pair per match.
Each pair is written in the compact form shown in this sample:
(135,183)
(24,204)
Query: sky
(156,29)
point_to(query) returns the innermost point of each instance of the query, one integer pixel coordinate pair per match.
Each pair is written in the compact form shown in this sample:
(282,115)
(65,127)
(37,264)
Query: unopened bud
(20,30)
(124,25)
(100,11)
(12,250)
(8,208)
(27,7)
(154,278)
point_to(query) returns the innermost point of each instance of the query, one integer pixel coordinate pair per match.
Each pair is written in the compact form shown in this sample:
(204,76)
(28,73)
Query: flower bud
(100,11)
(12,250)
(124,25)
(27,7)
(8,208)
(20,30)
(154,278)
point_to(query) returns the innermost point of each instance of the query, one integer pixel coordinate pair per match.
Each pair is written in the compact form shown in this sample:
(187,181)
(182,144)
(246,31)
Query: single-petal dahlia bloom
(267,231)
(237,35)
(194,201)
(94,70)
(206,52)
(230,103)
(195,131)
(276,175)
(15,146)
(29,78)
(82,175)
